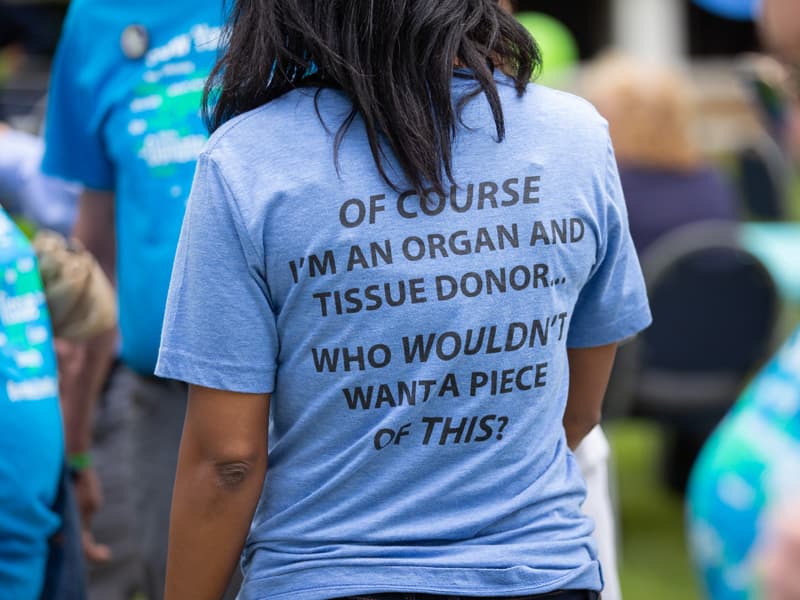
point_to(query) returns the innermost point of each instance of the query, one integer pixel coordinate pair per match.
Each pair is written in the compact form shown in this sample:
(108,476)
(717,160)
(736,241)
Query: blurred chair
(715,310)
(762,176)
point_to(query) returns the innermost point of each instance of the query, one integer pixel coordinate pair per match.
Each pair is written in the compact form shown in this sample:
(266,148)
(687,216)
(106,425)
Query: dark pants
(65,578)
(561,595)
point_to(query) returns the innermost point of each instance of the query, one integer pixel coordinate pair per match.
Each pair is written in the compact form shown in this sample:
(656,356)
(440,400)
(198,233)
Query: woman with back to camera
(414,266)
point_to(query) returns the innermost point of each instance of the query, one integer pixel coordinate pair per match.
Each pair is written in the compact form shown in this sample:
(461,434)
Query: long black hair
(394,58)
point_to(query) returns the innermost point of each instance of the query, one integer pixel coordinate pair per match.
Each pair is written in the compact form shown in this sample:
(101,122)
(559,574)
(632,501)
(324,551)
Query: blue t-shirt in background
(416,350)
(133,126)
(748,468)
(31,438)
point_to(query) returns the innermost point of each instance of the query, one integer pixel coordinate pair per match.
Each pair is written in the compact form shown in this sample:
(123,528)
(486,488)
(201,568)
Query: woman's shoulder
(567,126)
(557,118)
(561,101)
(280,125)
(563,109)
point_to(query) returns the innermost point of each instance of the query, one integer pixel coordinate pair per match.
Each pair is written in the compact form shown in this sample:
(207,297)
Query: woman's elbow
(578,427)
(233,475)
(225,438)
(232,467)
(585,420)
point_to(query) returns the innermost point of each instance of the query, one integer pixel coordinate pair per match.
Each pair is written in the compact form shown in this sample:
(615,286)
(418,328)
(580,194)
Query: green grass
(794,197)
(653,564)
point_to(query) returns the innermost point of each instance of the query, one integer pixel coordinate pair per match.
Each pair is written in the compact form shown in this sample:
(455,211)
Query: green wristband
(79,461)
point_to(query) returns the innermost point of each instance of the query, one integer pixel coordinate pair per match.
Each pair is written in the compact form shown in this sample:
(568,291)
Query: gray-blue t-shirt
(415,347)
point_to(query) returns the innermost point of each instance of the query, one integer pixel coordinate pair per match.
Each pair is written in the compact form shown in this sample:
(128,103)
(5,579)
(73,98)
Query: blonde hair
(649,110)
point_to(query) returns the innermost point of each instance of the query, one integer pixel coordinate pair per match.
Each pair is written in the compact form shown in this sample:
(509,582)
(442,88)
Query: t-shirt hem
(621,328)
(214,374)
(53,168)
(333,582)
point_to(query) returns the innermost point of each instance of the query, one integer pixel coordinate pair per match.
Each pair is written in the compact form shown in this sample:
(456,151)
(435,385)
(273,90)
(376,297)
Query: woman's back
(415,349)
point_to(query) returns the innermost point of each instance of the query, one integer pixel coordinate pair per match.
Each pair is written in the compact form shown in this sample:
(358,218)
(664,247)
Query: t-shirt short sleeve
(613,305)
(74,146)
(219,327)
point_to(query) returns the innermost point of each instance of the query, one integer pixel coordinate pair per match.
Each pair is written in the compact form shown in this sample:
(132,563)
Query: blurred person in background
(36,202)
(31,435)
(124,122)
(666,182)
(743,506)
(29,196)
(749,466)
(780,26)
(81,303)
(50,289)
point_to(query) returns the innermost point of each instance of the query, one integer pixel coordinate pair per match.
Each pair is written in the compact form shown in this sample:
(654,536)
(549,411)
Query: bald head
(780,22)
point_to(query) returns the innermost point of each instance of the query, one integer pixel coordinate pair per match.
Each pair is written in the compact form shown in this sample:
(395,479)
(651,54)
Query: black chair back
(715,309)
(762,177)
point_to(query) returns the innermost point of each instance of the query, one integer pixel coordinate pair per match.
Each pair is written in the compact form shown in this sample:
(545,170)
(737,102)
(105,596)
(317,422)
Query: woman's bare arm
(589,370)
(221,469)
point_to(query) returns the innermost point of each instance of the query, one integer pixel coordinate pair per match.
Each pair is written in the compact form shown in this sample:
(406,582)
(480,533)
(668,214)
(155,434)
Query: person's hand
(88,491)
(779,561)
(69,357)
(89,497)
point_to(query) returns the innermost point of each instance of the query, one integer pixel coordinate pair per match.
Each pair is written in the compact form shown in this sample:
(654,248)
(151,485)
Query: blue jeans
(560,595)
(65,578)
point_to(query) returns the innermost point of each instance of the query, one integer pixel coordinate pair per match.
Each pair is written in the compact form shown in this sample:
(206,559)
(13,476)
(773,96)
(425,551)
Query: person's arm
(777,554)
(589,371)
(612,306)
(86,367)
(221,468)
(780,24)
(83,367)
